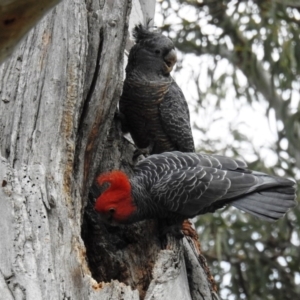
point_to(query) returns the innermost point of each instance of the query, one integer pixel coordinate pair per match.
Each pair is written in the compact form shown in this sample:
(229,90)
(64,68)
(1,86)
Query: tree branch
(17,18)
(246,61)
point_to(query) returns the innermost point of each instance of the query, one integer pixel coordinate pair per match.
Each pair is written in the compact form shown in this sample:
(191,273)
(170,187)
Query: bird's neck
(147,73)
(141,199)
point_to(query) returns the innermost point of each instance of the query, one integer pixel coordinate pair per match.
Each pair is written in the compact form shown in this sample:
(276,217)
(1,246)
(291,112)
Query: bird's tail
(272,201)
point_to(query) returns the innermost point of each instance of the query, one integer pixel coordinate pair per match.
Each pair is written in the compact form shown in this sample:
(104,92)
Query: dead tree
(59,93)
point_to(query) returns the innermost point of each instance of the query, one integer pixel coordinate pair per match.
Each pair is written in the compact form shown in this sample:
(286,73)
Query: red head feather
(116,200)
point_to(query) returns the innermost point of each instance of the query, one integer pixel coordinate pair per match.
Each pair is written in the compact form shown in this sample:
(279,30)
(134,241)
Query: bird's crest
(143,32)
(116,199)
(117,179)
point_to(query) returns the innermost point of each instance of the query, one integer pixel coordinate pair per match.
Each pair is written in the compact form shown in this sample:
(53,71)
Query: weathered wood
(17,18)
(197,270)
(169,274)
(58,95)
(44,92)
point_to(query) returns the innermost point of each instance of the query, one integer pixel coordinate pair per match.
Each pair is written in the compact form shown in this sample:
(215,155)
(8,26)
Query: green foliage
(263,258)
(245,59)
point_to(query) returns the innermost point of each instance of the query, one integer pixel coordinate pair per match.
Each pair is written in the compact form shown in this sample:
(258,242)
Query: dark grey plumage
(153,107)
(177,185)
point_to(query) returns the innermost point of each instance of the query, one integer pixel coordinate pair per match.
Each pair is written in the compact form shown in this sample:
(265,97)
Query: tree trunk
(59,92)
(17,18)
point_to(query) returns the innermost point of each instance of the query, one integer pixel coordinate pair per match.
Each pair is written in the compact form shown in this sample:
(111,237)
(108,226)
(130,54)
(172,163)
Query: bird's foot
(174,230)
(140,154)
(124,124)
(169,231)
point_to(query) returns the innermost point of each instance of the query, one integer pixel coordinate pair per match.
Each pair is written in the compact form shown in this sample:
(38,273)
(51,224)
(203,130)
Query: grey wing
(193,183)
(177,160)
(175,119)
(192,191)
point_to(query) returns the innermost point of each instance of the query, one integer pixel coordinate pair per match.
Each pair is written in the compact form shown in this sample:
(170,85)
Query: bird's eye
(157,51)
(111,211)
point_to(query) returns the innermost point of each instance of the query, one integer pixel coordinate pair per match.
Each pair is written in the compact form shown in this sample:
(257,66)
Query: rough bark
(59,92)
(17,18)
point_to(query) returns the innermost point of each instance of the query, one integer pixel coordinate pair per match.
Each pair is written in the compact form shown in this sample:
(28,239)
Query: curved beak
(108,219)
(170,60)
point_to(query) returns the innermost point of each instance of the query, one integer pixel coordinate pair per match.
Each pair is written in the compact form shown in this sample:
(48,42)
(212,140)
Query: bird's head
(153,50)
(115,204)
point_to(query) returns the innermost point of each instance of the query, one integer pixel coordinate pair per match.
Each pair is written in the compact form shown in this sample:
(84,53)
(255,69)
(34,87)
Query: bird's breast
(140,103)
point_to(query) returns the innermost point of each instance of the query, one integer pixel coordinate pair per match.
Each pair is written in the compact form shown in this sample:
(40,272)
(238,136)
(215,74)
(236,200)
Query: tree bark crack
(94,81)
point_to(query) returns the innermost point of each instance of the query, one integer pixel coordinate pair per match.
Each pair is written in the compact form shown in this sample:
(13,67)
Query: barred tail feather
(270,204)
